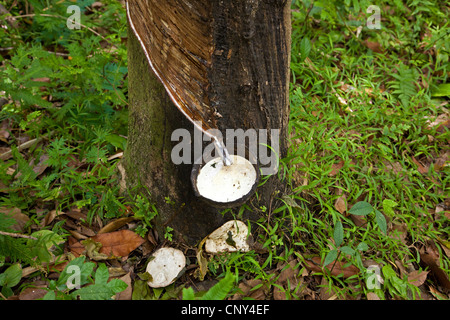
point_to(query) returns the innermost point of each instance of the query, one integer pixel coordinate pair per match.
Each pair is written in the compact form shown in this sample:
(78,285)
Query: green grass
(359,127)
(360,134)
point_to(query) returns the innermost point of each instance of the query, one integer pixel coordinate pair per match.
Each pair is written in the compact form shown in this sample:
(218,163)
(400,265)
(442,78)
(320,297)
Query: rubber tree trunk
(248,85)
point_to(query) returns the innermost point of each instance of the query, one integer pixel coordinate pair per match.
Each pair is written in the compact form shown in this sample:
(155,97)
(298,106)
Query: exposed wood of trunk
(245,65)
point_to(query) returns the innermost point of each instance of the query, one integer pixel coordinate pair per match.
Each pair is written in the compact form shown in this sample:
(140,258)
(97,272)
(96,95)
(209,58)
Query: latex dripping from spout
(223,152)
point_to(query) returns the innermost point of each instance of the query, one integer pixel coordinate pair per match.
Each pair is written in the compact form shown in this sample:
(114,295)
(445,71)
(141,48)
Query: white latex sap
(221,183)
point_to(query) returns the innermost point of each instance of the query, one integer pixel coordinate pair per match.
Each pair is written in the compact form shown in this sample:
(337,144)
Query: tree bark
(247,73)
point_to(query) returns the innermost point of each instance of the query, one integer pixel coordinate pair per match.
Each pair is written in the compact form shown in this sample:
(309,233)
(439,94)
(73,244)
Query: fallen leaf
(40,167)
(417,278)
(372,296)
(336,268)
(127,293)
(75,246)
(442,161)
(429,257)
(76,235)
(374,46)
(399,231)
(335,168)
(44,79)
(445,245)
(114,244)
(202,265)
(93,248)
(422,169)
(325,292)
(287,280)
(16,214)
(341,204)
(115,224)
(31,293)
(50,216)
(437,294)
(441,122)
(359,221)
(247,290)
(4,135)
(76,214)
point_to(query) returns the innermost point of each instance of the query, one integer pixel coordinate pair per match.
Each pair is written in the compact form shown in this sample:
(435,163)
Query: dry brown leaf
(50,216)
(86,231)
(445,245)
(40,167)
(115,224)
(32,293)
(437,294)
(335,168)
(288,276)
(43,79)
(4,135)
(359,221)
(429,256)
(336,268)
(325,292)
(396,167)
(421,168)
(76,214)
(417,278)
(76,235)
(374,46)
(341,204)
(16,214)
(127,293)
(441,122)
(372,296)
(246,288)
(114,244)
(442,161)
(202,265)
(400,231)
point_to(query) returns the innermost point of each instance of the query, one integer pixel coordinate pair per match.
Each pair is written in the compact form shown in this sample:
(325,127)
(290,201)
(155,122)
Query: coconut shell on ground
(230,237)
(165,266)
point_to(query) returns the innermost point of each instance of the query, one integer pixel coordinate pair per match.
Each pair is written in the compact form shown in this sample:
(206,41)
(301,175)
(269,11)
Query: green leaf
(388,272)
(361,208)
(101,274)
(141,291)
(12,275)
(51,295)
(15,249)
(6,222)
(331,256)
(338,234)
(117,141)
(442,90)
(188,294)
(305,48)
(7,292)
(48,238)
(117,285)
(391,276)
(84,269)
(93,292)
(362,246)
(220,290)
(347,250)
(388,205)
(381,221)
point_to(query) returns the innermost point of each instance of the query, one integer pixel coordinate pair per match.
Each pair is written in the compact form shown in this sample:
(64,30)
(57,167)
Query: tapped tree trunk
(239,53)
